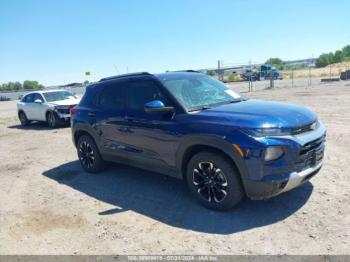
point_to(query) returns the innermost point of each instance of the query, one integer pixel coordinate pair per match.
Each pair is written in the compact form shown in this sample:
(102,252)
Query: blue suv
(191,126)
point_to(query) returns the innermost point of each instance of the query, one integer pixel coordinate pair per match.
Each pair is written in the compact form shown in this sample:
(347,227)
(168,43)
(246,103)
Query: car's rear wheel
(89,155)
(214,181)
(52,119)
(23,118)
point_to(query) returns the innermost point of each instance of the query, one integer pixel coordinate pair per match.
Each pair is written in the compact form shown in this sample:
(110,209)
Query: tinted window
(28,98)
(37,96)
(142,92)
(111,97)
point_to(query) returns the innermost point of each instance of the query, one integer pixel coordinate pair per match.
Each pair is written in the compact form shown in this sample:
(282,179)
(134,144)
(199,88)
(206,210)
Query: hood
(261,114)
(66,102)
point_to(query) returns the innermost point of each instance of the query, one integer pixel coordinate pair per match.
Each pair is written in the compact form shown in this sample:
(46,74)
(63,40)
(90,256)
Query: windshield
(196,92)
(58,95)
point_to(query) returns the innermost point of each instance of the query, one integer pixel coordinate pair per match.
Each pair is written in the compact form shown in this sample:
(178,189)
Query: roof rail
(188,71)
(125,75)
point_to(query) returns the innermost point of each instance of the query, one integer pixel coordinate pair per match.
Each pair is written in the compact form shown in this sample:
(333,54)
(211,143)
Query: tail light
(73,110)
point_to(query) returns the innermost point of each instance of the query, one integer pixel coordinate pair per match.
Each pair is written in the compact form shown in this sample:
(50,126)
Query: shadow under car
(167,199)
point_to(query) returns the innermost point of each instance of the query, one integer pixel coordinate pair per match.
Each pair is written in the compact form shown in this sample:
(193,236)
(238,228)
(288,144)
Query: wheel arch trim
(209,141)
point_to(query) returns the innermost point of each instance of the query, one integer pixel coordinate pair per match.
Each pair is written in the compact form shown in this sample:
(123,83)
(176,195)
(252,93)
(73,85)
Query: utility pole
(250,77)
(219,71)
(309,82)
(272,84)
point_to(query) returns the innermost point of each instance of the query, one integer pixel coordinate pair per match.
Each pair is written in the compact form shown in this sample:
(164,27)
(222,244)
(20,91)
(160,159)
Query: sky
(57,41)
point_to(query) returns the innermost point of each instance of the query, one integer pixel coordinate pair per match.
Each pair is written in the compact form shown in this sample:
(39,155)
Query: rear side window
(28,98)
(111,97)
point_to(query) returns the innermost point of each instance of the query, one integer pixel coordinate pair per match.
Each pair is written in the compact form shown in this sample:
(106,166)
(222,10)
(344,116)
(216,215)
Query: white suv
(52,106)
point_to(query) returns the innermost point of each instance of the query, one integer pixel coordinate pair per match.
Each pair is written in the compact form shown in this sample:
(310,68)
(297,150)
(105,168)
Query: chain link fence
(250,78)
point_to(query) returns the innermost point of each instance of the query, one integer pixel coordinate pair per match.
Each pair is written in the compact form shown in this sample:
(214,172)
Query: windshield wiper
(200,108)
(236,101)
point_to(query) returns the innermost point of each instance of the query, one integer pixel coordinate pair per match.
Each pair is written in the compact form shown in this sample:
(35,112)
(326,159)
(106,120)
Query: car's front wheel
(23,118)
(89,155)
(214,180)
(52,119)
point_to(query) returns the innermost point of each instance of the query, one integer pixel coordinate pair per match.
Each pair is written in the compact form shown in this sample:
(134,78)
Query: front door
(38,109)
(151,137)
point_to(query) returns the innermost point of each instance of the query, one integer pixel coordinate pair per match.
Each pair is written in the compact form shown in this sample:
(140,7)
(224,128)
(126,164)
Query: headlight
(261,132)
(273,153)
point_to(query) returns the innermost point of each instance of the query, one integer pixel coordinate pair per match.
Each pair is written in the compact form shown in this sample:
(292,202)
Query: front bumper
(63,116)
(298,178)
(266,189)
(303,160)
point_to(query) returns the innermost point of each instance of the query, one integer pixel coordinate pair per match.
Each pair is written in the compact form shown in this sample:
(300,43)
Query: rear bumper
(257,190)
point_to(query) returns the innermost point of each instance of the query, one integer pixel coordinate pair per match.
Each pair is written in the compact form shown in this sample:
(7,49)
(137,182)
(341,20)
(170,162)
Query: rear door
(109,118)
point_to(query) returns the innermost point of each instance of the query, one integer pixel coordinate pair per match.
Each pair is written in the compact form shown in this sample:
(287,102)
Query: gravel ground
(50,206)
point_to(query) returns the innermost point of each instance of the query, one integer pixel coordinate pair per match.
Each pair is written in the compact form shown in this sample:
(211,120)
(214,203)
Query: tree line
(17,86)
(323,60)
(332,58)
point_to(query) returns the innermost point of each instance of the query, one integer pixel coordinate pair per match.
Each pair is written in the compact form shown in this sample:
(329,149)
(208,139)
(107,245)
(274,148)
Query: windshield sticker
(233,94)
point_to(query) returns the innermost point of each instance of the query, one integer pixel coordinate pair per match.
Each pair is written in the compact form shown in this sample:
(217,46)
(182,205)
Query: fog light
(273,153)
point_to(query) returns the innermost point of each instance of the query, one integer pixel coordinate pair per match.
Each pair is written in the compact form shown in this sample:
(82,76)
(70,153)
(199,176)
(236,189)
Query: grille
(311,154)
(63,110)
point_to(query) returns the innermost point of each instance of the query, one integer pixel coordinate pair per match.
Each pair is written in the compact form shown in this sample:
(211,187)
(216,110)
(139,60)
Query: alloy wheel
(51,119)
(86,154)
(210,182)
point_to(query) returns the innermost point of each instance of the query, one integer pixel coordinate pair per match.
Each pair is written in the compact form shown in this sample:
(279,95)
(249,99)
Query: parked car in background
(51,106)
(191,126)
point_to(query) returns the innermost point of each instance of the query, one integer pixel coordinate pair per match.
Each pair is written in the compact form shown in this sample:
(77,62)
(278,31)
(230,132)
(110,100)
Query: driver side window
(141,92)
(37,96)
(28,98)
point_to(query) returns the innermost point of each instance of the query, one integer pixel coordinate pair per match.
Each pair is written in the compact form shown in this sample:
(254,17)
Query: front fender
(213,141)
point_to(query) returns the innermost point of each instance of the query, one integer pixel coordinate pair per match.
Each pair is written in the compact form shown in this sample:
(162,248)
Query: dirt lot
(50,206)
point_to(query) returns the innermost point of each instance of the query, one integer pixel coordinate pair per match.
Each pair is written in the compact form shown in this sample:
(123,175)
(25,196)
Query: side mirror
(157,106)
(38,101)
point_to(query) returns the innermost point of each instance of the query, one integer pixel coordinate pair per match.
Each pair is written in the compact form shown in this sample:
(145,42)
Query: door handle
(123,129)
(130,118)
(92,114)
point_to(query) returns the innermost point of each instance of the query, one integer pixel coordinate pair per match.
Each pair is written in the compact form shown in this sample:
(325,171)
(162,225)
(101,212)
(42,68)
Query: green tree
(338,57)
(32,85)
(346,51)
(277,62)
(324,60)
(11,86)
(211,72)
(331,58)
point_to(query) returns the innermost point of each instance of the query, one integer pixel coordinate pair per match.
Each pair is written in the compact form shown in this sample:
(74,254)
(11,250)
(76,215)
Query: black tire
(214,181)
(89,155)
(52,119)
(23,118)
